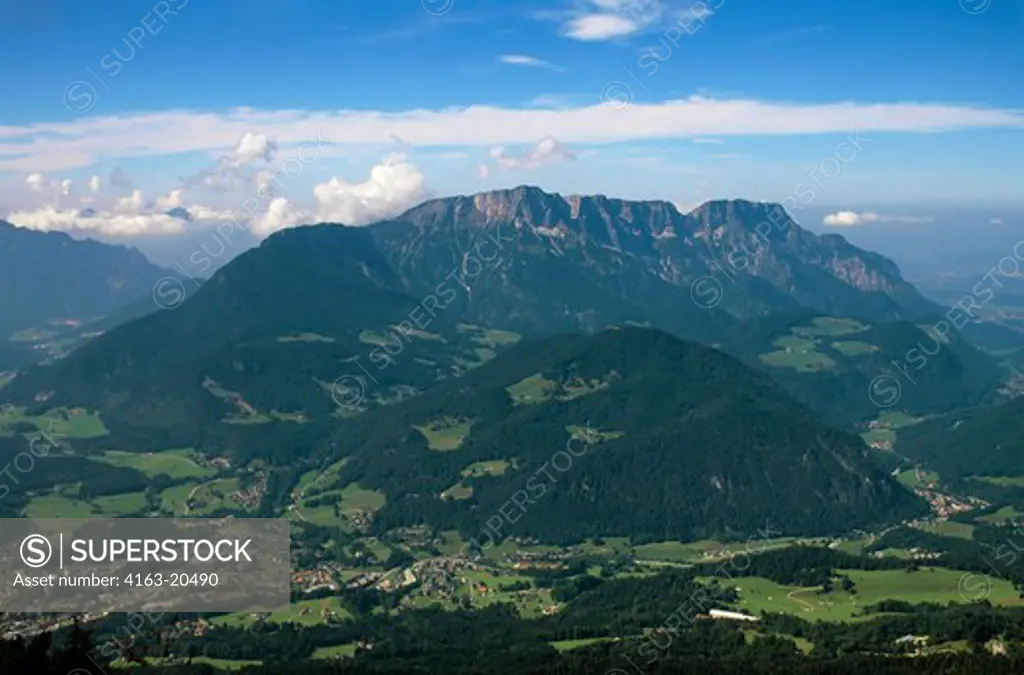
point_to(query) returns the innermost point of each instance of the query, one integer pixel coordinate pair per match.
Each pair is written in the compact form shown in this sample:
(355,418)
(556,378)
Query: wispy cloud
(854,219)
(602,20)
(530,61)
(47,146)
(547,152)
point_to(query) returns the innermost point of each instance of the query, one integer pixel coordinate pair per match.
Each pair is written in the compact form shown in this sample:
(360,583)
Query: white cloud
(547,152)
(393,187)
(598,20)
(84,140)
(131,203)
(254,147)
(48,219)
(280,214)
(65,187)
(229,174)
(708,141)
(94,184)
(595,27)
(36,182)
(996,221)
(172,201)
(853,219)
(531,61)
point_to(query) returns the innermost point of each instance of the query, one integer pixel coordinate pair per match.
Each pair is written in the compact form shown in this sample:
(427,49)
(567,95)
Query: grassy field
(174,463)
(569,645)
(353,499)
(458,491)
(829,326)
(494,467)
(58,505)
(1005,514)
(304,337)
(799,353)
(928,585)
(173,499)
(445,434)
(32,335)
(217,664)
(1003,481)
(706,550)
(487,337)
(73,423)
(895,419)
(950,528)
(314,477)
(55,505)
(533,389)
(304,613)
(214,495)
(911,480)
(336,652)
(854,348)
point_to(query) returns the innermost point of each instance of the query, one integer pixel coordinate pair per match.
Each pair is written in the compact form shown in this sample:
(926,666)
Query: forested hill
(684,442)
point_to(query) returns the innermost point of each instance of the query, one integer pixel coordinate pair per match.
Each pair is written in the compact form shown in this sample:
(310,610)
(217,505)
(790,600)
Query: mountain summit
(571,262)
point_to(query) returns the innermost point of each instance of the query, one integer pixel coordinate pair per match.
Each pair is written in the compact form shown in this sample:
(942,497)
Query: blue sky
(198,106)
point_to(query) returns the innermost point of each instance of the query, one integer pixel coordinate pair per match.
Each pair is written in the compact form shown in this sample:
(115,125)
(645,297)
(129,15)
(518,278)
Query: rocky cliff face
(550,262)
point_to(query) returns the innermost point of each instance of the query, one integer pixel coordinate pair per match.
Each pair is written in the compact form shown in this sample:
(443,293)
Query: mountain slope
(48,276)
(550,263)
(985,441)
(684,443)
(830,364)
(263,340)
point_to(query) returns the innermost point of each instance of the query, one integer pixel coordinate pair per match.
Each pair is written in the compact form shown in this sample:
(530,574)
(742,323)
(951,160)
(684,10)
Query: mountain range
(436,323)
(521,260)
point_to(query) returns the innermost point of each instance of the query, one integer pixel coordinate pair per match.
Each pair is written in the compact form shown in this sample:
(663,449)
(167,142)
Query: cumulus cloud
(130,204)
(172,201)
(36,182)
(393,187)
(129,216)
(251,149)
(547,152)
(530,61)
(94,184)
(48,219)
(595,27)
(280,214)
(254,147)
(49,146)
(853,219)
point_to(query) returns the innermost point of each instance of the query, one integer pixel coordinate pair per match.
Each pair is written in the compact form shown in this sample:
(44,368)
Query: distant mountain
(673,441)
(581,262)
(48,276)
